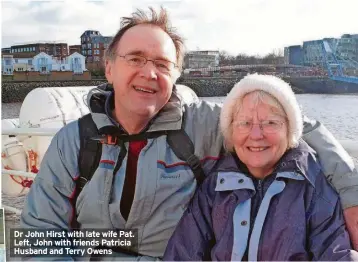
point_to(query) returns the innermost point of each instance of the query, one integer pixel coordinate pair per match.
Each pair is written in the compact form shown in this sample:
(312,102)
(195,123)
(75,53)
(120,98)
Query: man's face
(142,91)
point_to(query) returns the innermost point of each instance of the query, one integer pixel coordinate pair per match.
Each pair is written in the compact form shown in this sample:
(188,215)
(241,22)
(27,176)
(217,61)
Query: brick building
(93,46)
(56,50)
(74,49)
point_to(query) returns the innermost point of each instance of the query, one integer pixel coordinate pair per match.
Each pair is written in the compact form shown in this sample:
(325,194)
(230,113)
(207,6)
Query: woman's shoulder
(226,162)
(308,163)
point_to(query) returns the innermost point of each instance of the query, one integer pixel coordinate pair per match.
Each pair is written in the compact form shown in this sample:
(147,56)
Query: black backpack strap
(89,156)
(184,149)
(90,150)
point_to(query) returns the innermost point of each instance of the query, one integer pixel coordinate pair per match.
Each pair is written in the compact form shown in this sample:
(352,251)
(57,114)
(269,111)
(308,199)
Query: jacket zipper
(260,192)
(252,220)
(259,189)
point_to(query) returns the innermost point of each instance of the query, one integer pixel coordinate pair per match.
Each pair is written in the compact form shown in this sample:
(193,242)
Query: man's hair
(139,17)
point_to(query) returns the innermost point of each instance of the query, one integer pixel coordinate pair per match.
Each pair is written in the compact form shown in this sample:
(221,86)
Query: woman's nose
(256,132)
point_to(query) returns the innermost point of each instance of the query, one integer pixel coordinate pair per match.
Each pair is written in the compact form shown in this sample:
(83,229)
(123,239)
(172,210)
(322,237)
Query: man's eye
(135,59)
(272,123)
(163,65)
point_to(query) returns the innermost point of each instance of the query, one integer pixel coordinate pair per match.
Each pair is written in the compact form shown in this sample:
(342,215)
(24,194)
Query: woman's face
(259,136)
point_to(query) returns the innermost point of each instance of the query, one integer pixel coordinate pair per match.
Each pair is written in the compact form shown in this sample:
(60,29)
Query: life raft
(42,108)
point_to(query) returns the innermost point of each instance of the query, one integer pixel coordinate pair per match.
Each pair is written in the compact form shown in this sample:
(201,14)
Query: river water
(339,113)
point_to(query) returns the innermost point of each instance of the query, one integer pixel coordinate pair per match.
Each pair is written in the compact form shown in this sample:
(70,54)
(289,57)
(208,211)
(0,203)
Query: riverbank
(13,92)
(204,87)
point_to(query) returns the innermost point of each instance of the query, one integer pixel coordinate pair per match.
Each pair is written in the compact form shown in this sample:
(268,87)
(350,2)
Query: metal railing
(350,146)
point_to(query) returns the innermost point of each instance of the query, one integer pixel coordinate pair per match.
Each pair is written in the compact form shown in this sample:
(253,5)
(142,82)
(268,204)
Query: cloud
(252,26)
(59,21)
(261,26)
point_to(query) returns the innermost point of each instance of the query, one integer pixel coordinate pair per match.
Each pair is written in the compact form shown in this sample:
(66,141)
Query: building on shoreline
(93,46)
(31,68)
(56,50)
(43,63)
(201,59)
(315,52)
(74,48)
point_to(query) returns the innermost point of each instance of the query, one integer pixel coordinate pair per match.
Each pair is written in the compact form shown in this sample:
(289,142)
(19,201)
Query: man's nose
(256,132)
(149,71)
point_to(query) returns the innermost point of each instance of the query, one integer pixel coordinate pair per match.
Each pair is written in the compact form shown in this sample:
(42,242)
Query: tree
(223,58)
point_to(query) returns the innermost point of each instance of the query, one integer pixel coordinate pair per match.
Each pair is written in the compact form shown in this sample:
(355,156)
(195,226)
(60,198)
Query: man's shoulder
(68,135)
(201,124)
(202,117)
(202,110)
(70,128)
(202,104)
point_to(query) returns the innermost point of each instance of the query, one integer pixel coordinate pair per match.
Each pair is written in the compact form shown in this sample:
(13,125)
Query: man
(142,184)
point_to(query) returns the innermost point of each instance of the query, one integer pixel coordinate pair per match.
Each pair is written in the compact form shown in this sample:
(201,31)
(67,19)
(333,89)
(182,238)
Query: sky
(252,27)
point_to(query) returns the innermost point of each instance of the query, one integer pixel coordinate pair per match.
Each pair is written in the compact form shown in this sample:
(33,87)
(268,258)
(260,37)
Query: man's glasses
(162,65)
(267,126)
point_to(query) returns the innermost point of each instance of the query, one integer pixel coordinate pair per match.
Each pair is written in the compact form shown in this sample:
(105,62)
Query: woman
(267,199)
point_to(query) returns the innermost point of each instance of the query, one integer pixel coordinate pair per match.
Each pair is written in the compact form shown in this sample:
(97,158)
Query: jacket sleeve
(193,237)
(48,203)
(336,163)
(202,126)
(328,237)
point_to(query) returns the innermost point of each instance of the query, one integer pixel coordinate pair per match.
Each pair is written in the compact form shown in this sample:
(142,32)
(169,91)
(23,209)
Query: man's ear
(108,71)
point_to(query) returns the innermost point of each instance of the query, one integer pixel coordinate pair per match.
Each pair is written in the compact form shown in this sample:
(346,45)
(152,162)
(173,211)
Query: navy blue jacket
(292,214)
